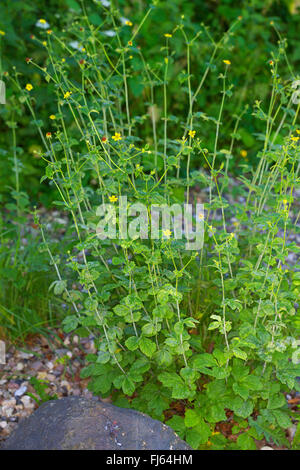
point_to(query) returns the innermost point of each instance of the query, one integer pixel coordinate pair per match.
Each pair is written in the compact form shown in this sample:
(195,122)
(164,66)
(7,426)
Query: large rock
(79,423)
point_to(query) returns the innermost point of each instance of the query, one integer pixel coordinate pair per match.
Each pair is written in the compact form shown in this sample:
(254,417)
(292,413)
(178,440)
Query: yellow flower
(52,117)
(63,60)
(49,31)
(2,33)
(44,43)
(128,23)
(244,153)
(129,43)
(67,95)
(167,233)
(294,139)
(48,135)
(42,21)
(167,35)
(298,132)
(117,136)
(192,134)
(113,198)
(227,62)
(29,87)
(285,202)
(201,216)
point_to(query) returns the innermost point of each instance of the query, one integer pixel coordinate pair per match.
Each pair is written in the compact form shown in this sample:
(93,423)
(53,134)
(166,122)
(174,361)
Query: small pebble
(27,402)
(51,377)
(7,412)
(292,431)
(20,391)
(36,365)
(67,341)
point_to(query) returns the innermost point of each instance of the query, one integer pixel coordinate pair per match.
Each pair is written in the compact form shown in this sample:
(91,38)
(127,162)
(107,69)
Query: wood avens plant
(192,338)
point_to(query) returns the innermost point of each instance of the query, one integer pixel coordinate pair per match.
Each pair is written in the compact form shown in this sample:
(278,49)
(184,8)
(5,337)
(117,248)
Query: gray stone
(73,423)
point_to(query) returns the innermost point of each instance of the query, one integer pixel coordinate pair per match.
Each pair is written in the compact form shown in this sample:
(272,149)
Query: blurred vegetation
(249,46)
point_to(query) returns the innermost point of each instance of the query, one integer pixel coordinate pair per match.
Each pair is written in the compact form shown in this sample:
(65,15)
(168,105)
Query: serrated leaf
(242,408)
(276,401)
(147,346)
(241,390)
(128,386)
(191,418)
(245,442)
(198,435)
(132,343)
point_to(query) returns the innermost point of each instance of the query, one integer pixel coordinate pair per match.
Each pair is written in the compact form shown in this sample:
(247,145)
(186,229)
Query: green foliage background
(250,48)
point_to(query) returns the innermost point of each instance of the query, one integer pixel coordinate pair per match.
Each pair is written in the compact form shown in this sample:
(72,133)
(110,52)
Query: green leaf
(103,357)
(239,371)
(191,418)
(239,354)
(220,372)
(86,371)
(245,442)
(70,323)
(121,310)
(216,413)
(128,386)
(262,427)
(241,389)
(242,408)
(170,379)
(147,346)
(163,357)
(148,329)
(100,384)
(132,343)
(276,401)
(181,392)
(253,382)
(198,435)
(282,419)
(177,423)
(202,361)
(74,5)
(140,366)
